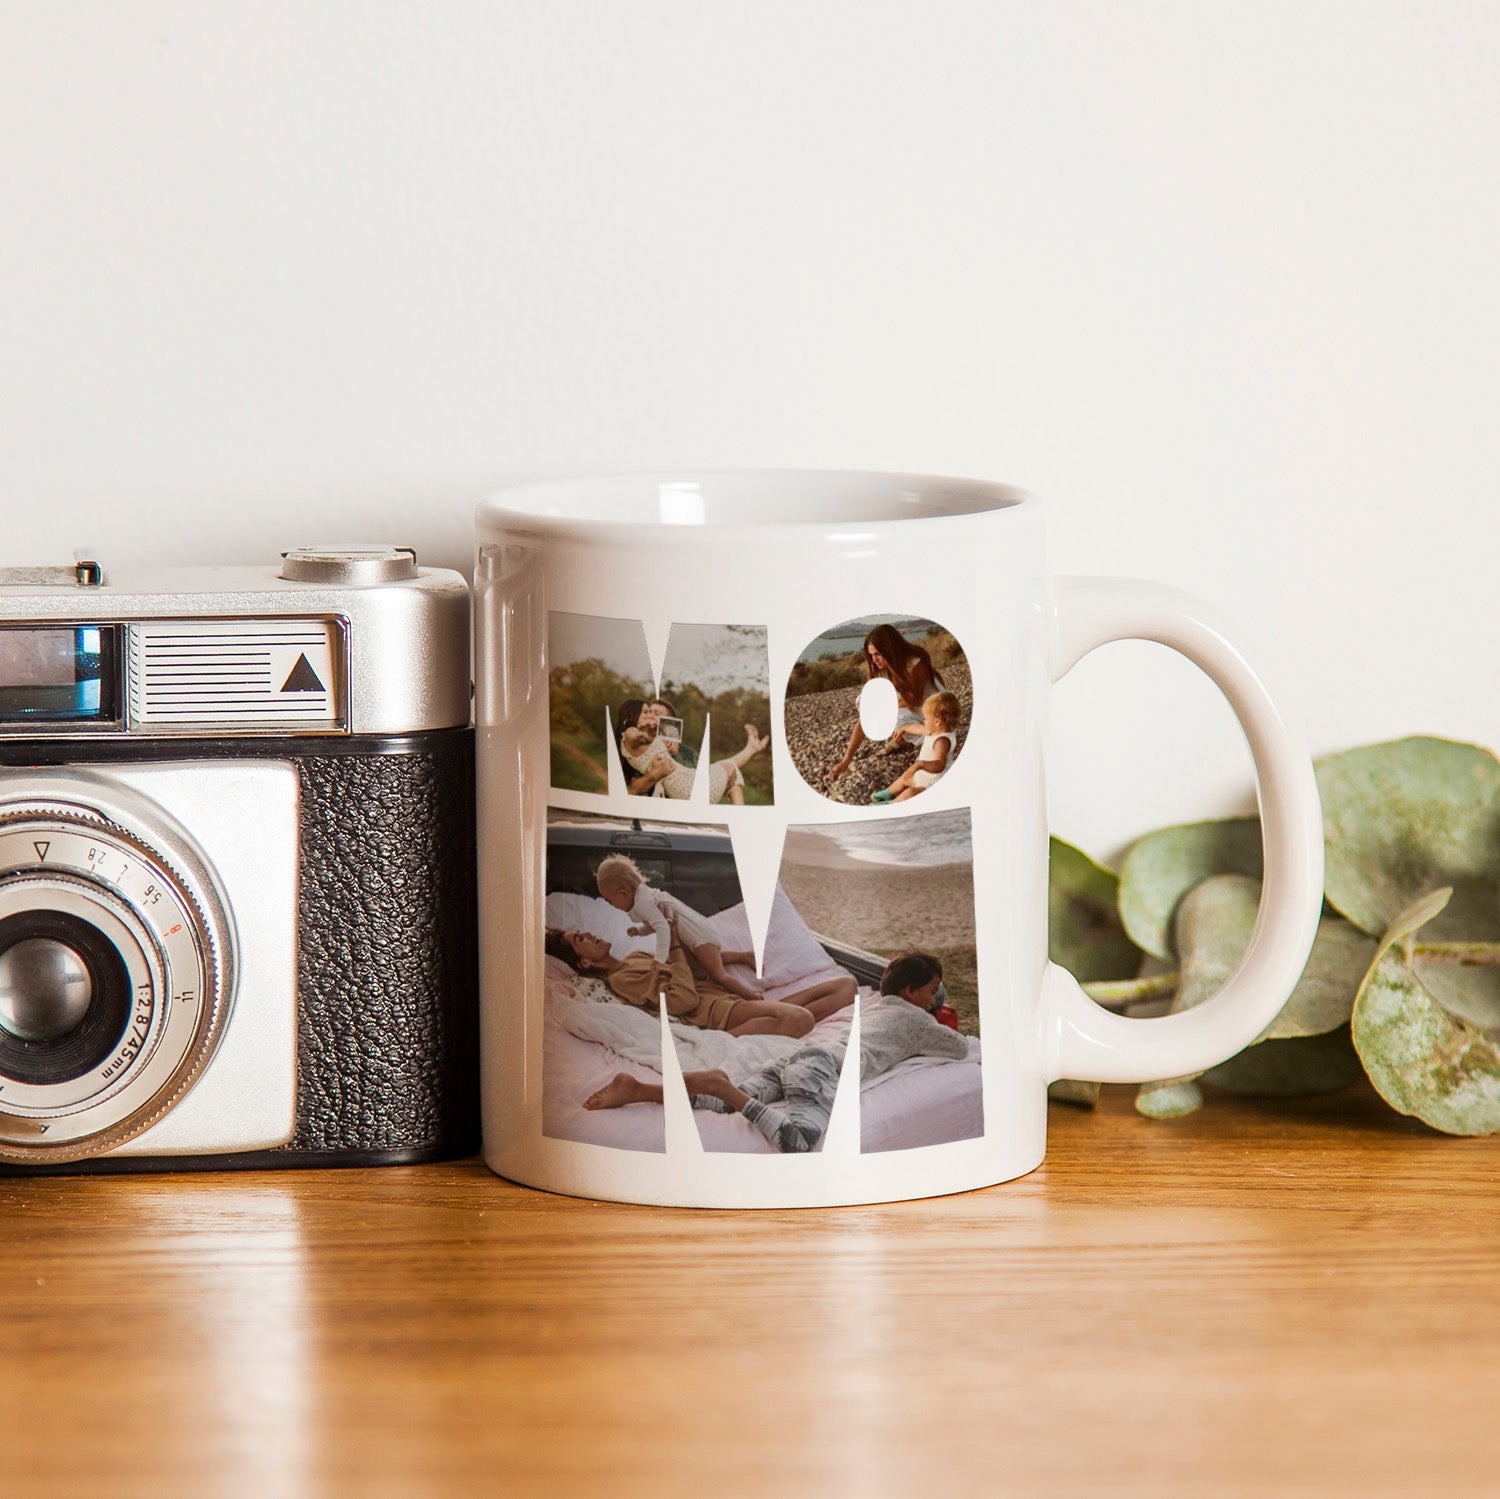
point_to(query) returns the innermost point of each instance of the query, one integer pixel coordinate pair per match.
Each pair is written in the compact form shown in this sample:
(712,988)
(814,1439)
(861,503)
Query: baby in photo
(623,885)
(939,730)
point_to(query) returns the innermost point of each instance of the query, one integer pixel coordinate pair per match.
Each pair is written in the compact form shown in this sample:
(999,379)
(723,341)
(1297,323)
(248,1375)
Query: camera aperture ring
(172,935)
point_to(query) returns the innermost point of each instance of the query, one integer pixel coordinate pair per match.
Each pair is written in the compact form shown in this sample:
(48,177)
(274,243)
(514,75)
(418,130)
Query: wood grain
(1297,1299)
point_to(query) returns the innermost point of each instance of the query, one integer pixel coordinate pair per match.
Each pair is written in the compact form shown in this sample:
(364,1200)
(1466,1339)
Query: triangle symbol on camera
(41,848)
(303,678)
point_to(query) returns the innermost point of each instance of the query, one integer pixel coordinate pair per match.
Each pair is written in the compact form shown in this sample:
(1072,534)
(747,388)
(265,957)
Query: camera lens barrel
(115,954)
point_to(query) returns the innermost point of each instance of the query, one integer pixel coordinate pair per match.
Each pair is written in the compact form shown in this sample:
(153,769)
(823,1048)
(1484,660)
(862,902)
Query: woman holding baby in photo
(654,765)
(692,998)
(908,667)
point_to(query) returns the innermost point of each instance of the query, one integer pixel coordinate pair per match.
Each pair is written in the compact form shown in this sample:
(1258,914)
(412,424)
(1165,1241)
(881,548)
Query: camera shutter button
(349,564)
(45,989)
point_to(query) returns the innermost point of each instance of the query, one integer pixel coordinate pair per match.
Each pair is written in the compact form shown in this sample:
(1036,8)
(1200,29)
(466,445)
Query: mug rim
(837,499)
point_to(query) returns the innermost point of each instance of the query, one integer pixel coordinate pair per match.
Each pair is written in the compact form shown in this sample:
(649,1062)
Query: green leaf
(1071,1091)
(1306,1048)
(1416,916)
(1422,1060)
(1163,866)
(1402,819)
(1301,1067)
(1169,1100)
(1214,924)
(1083,918)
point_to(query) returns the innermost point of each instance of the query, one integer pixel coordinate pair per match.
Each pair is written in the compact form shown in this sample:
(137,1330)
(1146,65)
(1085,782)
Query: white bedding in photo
(590,1035)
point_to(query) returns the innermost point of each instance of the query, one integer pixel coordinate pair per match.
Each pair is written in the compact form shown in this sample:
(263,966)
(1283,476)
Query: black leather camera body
(237,910)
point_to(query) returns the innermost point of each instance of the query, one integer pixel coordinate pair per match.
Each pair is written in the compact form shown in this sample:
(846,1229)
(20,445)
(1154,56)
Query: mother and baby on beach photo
(926,667)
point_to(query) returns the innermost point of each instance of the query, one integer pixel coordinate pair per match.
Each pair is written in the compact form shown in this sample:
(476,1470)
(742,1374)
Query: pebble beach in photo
(818,725)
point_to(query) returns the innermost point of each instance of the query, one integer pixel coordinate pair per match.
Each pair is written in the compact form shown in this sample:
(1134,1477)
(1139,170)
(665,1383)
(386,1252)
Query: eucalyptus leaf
(1416,916)
(1301,1067)
(1471,994)
(1306,1048)
(1213,927)
(1083,918)
(1163,866)
(1071,1091)
(1169,1100)
(1422,1060)
(1402,819)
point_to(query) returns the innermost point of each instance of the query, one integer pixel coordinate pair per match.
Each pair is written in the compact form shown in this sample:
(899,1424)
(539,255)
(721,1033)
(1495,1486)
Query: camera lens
(113,975)
(45,990)
(64,997)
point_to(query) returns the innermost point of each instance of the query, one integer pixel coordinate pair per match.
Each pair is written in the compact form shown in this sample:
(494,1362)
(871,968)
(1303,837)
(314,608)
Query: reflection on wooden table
(1294,1298)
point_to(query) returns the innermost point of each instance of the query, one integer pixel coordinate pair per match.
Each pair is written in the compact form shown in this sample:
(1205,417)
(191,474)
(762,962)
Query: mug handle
(1079,1038)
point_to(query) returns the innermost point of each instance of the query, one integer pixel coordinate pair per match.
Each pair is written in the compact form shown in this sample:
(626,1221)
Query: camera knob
(351,564)
(45,989)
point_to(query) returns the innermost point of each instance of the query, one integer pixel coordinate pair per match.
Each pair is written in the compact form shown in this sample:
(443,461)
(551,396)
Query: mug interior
(760,498)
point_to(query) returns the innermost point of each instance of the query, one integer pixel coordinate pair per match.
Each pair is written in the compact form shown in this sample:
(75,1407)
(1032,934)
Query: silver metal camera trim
(406,641)
(244,817)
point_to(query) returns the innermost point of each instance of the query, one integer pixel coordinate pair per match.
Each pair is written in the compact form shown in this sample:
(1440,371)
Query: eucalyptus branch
(1411,823)
(1119,994)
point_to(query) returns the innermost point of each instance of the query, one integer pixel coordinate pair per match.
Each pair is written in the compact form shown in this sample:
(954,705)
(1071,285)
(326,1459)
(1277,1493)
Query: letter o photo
(926,678)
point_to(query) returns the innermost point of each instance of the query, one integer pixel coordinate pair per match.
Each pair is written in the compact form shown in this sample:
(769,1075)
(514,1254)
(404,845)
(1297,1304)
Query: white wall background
(1218,280)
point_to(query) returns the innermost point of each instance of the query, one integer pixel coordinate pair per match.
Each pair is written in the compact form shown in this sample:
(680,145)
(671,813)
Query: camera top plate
(346,640)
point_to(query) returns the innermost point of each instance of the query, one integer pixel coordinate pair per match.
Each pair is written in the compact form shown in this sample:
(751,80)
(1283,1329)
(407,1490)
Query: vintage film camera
(237,919)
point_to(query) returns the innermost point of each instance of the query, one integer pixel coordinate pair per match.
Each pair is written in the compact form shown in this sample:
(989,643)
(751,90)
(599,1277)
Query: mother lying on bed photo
(693,998)
(790,1099)
(605,977)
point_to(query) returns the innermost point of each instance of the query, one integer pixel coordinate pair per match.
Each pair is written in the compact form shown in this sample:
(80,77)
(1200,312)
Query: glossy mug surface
(763,843)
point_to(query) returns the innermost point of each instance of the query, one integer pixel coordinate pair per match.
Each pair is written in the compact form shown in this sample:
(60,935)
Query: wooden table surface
(1288,1299)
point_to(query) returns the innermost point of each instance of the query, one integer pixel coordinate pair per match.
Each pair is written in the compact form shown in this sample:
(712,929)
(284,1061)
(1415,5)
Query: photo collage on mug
(874,912)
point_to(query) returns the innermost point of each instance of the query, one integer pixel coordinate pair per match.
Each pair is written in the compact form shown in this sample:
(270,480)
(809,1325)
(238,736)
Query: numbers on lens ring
(150,895)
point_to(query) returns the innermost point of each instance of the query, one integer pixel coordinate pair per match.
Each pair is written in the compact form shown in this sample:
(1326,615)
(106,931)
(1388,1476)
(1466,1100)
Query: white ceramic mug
(872,656)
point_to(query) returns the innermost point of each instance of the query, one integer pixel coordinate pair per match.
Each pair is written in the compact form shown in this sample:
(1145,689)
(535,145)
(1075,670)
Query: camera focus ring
(113,980)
